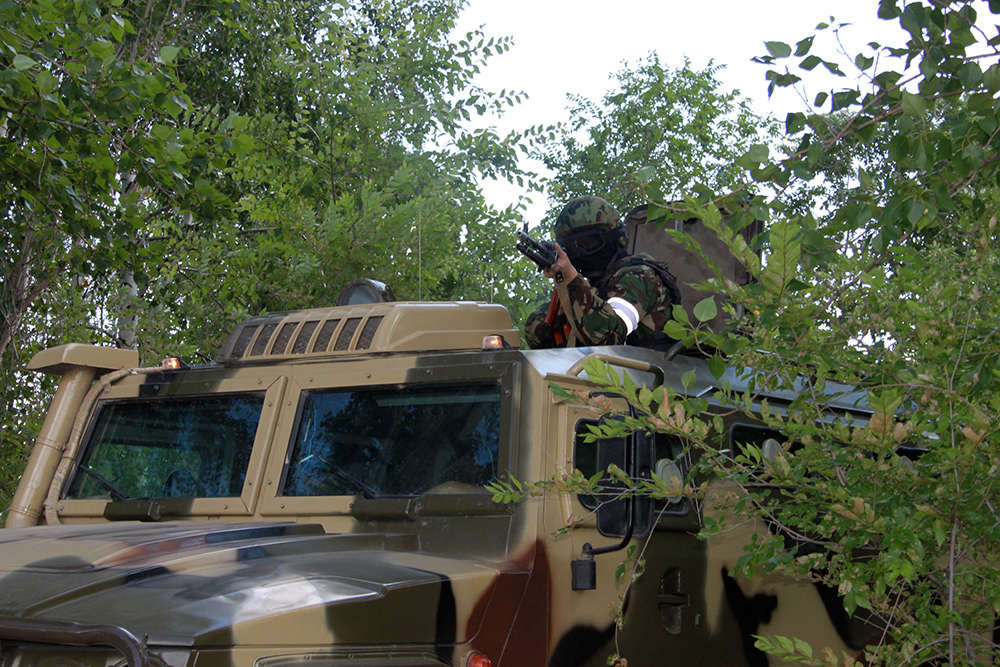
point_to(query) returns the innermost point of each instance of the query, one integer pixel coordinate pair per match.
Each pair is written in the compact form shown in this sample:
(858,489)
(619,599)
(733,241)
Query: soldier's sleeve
(537,332)
(632,294)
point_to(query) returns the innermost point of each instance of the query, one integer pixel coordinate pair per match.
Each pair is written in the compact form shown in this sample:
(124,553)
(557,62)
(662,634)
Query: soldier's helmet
(590,231)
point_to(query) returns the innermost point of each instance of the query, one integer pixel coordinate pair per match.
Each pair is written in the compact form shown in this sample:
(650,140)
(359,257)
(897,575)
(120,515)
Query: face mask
(595,265)
(592,251)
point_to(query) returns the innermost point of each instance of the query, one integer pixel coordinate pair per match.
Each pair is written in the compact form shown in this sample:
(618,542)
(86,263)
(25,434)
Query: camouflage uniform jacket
(597,321)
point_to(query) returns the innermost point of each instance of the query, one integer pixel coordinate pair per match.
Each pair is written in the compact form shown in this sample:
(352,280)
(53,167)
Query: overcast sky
(572,46)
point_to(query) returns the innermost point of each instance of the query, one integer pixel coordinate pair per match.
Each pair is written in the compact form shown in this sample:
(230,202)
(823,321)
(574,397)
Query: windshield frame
(207,383)
(504,374)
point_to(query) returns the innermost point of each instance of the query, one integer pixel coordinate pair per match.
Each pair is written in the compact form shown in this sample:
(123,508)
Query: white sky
(572,46)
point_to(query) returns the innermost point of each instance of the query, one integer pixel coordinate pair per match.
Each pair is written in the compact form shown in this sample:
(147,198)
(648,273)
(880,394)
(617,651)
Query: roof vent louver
(325,334)
(305,333)
(246,334)
(364,328)
(368,333)
(263,337)
(284,335)
(347,333)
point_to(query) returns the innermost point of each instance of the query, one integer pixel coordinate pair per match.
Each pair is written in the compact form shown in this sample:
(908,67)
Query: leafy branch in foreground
(878,287)
(868,338)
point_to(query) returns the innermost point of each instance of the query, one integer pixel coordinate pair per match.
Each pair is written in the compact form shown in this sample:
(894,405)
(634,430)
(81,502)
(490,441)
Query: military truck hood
(215,584)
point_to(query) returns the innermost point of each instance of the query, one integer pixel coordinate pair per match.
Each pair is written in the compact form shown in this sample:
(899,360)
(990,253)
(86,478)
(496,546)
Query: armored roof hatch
(380,327)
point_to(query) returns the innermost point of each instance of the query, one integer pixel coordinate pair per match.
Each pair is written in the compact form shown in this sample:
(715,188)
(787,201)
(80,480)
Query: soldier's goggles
(590,242)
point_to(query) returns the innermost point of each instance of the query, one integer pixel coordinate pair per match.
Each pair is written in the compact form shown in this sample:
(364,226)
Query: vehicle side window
(585,456)
(398,441)
(661,448)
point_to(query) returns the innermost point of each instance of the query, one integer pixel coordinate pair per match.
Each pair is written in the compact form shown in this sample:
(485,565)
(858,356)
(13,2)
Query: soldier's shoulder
(638,264)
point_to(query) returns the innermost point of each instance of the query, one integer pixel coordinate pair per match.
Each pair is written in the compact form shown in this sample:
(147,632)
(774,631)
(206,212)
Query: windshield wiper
(366,491)
(113,491)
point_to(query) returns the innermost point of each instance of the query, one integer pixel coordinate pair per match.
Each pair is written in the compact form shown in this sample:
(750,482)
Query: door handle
(673,599)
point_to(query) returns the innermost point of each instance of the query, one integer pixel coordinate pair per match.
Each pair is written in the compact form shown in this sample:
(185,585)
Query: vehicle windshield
(400,441)
(169,448)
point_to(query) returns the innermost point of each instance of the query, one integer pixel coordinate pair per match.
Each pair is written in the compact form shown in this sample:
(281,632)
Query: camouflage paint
(269,580)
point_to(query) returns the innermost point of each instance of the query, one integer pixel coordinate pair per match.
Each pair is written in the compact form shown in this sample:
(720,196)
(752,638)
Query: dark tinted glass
(169,448)
(396,441)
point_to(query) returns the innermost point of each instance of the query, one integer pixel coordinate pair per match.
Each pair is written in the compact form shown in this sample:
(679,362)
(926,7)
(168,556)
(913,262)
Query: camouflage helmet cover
(587,213)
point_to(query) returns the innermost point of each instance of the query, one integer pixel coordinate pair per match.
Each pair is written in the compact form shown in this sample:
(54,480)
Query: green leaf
(778,49)
(914,105)
(169,53)
(688,379)
(833,68)
(22,62)
(675,330)
(783,262)
(794,123)
(971,75)
(758,153)
(973,153)
(991,78)
(810,63)
(803,46)
(717,366)
(558,391)
(117,27)
(865,178)
(646,174)
(239,122)
(705,310)
(916,210)
(844,99)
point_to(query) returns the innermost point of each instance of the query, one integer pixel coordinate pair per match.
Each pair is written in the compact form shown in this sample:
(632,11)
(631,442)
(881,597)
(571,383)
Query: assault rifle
(542,253)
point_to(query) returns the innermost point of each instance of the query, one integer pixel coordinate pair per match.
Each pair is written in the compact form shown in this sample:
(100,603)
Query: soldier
(614,297)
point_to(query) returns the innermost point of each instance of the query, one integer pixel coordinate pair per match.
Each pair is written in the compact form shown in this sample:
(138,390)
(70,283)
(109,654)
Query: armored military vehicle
(317,497)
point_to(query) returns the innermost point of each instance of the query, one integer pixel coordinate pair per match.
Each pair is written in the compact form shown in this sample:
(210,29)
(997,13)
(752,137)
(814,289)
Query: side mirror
(670,472)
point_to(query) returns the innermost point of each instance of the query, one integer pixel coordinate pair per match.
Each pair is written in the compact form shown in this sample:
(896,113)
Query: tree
(877,274)
(892,289)
(86,161)
(362,165)
(175,168)
(675,128)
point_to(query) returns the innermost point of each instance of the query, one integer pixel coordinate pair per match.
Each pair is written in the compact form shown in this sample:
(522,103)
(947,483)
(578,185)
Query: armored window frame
(184,384)
(446,370)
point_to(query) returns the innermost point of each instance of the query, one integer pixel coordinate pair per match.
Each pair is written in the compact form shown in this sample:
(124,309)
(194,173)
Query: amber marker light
(171,364)
(494,342)
(477,659)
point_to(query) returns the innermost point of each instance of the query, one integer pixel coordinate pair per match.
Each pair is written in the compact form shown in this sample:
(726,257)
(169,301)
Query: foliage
(85,163)
(668,129)
(362,166)
(881,289)
(172,168)
(876,286)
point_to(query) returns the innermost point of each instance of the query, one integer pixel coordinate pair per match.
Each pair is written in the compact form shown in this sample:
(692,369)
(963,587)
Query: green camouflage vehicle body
(317,498)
